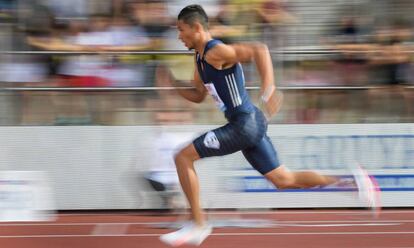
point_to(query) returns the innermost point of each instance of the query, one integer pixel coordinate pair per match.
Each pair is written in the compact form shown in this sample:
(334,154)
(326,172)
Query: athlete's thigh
(263,156)
(221,141)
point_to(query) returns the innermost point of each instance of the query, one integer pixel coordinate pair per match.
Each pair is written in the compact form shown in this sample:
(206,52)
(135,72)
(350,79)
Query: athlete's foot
(368,190)
(189,234)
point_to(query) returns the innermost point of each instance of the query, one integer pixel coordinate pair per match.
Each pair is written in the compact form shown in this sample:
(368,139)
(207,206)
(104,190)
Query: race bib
(213,92)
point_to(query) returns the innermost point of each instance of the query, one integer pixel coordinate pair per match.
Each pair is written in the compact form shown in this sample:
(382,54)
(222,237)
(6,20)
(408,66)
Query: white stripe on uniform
(233,99)
(238,98)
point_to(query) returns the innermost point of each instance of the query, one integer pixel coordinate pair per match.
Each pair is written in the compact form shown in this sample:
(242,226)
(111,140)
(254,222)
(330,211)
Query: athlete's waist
(246,108)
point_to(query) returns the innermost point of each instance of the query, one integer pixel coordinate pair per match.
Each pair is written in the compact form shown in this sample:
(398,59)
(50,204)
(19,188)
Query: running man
(219,73)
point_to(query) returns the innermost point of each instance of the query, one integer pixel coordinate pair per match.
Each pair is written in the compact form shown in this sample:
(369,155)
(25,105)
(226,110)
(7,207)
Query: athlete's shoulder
(220,52)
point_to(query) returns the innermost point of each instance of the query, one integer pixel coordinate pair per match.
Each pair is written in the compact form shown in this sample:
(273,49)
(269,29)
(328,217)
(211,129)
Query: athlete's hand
(272,104)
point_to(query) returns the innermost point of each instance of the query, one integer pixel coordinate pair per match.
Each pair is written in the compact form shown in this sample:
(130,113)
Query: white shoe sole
(186,235)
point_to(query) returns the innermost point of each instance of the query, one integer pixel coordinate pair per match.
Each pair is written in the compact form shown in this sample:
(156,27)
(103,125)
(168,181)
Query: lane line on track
(298,222)
(214,234)
(276,212)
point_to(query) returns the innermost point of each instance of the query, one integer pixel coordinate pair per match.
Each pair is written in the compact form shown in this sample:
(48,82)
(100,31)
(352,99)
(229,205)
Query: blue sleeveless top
(225,86)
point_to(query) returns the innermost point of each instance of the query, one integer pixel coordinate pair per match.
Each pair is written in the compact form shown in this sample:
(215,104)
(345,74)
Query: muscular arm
(197,94)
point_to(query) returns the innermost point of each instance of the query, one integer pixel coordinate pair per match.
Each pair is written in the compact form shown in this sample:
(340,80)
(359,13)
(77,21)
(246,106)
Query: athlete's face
(187,34)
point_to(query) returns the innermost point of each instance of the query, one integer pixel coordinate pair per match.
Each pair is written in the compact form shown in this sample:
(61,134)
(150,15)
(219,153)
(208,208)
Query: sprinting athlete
(220,74)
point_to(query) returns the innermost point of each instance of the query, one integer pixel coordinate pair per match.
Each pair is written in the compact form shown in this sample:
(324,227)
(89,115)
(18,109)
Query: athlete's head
(192,21)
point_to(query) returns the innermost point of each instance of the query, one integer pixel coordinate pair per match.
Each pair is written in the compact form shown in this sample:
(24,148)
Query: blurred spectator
(353,47)
(129,25)
(123,71)
(391,65)
(85,70)
(37,21)
(390,57)
(64,10)
(102,34)
(223,27)
(153,17)
(272,16)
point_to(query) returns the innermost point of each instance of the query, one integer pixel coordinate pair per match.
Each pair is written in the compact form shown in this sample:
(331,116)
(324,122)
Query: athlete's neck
(203,41)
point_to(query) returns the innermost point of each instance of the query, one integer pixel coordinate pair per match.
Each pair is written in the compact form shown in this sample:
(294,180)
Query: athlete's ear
(198,27)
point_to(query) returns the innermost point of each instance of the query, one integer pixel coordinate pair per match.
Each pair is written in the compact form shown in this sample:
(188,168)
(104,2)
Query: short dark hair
(194,13)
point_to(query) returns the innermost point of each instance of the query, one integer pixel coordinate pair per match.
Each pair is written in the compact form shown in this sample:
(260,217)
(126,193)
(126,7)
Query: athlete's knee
(186,154)
(285,181)
(282,179)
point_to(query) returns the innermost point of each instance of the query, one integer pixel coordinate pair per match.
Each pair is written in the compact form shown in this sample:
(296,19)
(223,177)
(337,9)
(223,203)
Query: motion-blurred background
(364,47)
(86,97)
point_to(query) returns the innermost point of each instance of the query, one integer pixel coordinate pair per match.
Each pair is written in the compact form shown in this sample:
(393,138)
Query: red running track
(293,229)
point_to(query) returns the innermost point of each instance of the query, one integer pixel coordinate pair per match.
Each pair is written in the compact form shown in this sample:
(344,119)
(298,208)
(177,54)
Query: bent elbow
(200,98)
(261,47)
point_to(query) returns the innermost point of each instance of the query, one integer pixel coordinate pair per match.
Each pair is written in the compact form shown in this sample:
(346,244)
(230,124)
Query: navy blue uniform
(246,130)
